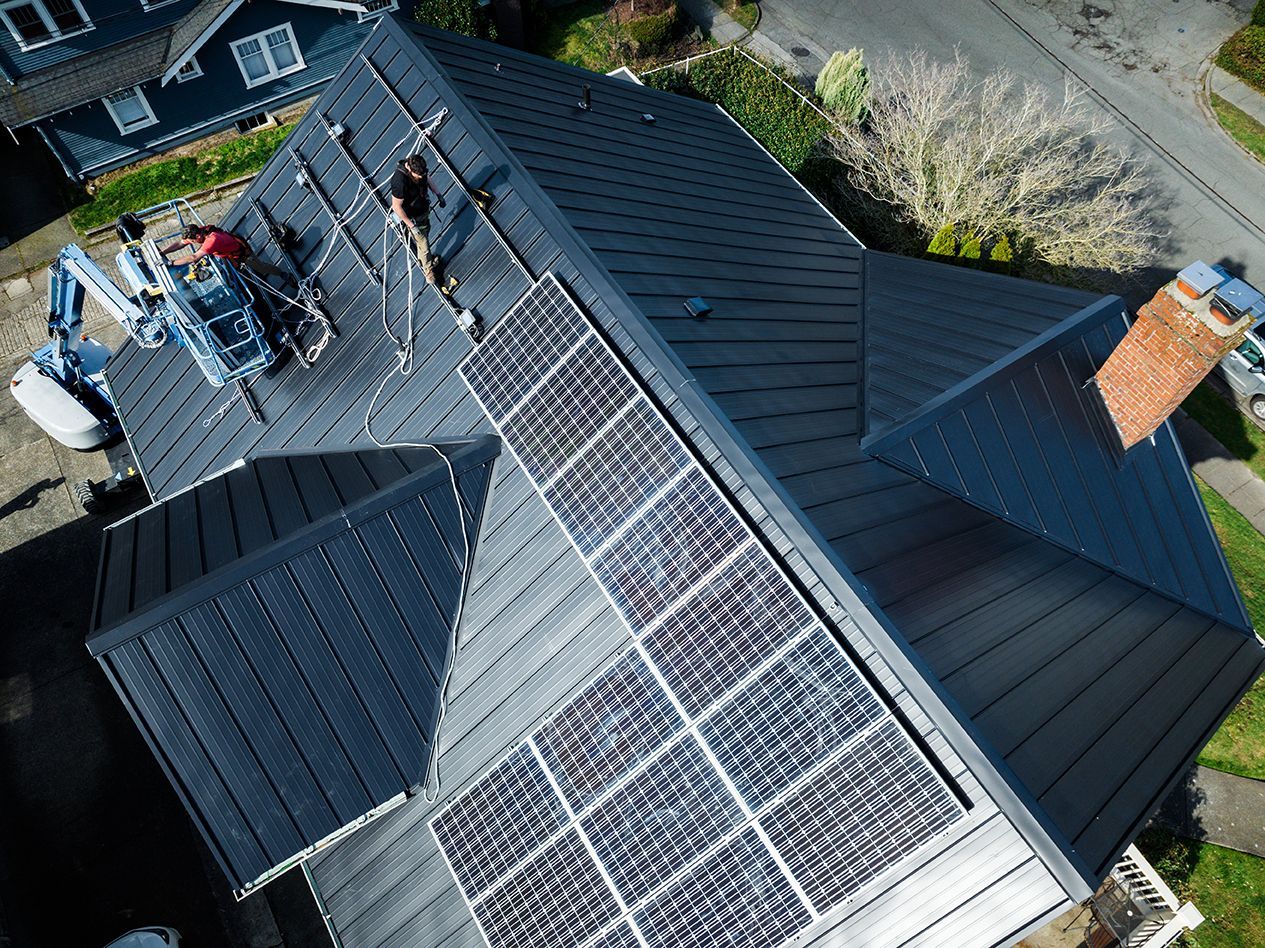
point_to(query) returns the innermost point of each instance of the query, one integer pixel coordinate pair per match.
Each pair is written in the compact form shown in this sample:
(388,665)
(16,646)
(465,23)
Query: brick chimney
(1179,336)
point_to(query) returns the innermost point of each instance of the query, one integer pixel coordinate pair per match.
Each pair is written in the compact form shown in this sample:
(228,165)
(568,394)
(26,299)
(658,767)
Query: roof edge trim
(1047,342)
(475,454)
(992,772)
(177,57)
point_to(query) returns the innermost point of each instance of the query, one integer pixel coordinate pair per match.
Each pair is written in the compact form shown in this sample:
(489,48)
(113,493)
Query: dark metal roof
(1002,618)
(929,327)
(768,388)
(279,634)
(1020,440)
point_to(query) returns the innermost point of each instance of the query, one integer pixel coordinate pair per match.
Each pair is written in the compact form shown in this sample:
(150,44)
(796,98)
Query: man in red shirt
(211,241)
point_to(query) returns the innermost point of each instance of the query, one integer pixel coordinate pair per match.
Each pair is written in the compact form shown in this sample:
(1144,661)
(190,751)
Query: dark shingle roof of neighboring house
(1108,687)
(280,632)
(91,76)
(192,31)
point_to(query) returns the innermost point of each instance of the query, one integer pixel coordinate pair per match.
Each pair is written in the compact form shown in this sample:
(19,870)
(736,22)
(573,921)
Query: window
(130,110)
(375,8)
(190,70)
(268,55)
(1251,353)
(252,122)
(35,22)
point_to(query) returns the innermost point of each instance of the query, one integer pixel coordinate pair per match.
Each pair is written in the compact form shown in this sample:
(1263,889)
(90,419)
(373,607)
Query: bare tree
(996,158)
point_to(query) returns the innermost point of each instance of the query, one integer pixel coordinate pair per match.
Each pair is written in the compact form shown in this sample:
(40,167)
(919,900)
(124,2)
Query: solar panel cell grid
(606,730)
(559,898)
(858,816)
(725,630)
(521,347)
(798,712)
(499,821)
(688,532)
(619,937)
(738,896)
(616,474)
(674,810)
(567,410)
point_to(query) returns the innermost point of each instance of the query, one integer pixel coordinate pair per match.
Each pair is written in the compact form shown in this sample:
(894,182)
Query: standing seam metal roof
(768,389)
(288,678)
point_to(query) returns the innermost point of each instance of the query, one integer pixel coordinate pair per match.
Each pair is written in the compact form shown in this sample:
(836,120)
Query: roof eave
(178,57)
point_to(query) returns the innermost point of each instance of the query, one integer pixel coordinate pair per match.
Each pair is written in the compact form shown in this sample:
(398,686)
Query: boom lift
(232,332)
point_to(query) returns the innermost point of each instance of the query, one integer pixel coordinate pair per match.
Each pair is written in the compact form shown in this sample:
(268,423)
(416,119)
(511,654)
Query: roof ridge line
(345,517)
(1048,341)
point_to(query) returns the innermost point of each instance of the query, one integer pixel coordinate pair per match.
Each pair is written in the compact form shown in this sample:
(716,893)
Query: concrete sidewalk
(1220,808)
(1221,470)
(1237,92)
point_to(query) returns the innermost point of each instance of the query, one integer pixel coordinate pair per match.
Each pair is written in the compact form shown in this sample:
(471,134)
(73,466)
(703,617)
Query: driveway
(1141,60)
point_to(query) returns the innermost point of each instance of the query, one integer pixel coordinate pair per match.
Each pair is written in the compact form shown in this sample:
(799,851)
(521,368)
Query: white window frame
(55,34)
(366,16)
(140,95)
(182,76)
(262,38)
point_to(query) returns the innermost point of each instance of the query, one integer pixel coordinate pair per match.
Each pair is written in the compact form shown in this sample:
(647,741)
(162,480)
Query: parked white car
(1244,371)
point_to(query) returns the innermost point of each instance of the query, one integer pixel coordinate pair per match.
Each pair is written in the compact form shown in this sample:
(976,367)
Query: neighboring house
(107,82)
(1051,635)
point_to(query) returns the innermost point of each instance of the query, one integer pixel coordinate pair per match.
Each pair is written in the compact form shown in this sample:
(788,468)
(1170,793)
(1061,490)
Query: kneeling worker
(211,241)
(410,199)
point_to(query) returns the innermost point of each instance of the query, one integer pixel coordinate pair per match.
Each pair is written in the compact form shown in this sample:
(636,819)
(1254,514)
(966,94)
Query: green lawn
(1227,886)
(580,34)
(1229,426)
(745,13)
(1239,746)
(163,180)
(1242,127)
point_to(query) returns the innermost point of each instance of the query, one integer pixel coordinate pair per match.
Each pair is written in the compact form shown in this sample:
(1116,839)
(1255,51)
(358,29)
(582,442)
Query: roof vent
(697,307)
(647,118)
(586,98)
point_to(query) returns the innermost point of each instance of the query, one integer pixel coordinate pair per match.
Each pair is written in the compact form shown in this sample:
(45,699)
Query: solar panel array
(732,777)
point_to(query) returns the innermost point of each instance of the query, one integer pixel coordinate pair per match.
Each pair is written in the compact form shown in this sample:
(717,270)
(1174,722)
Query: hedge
(1244,55)
(456,16)
(1258,13)
(650,34)
(176,177)
(758,99)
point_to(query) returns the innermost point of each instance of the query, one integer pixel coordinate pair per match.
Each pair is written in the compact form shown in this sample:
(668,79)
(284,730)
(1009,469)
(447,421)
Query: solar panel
(730,625)
(732,774)
(672,811)
(739,896)
(796,713)
(686,534)
(874,805)
(606,483)
(559,898)
(606,730)
(499,821)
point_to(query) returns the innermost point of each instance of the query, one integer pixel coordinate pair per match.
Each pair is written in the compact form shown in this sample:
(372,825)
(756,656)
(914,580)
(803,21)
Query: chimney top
(1177,339)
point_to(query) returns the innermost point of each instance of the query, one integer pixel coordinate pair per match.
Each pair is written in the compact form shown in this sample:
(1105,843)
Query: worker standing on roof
(213,242)
(410,199)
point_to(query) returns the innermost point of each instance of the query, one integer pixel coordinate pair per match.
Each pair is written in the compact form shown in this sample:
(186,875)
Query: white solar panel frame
(752,823)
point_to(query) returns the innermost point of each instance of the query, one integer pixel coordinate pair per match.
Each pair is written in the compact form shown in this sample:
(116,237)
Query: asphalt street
(1142,62)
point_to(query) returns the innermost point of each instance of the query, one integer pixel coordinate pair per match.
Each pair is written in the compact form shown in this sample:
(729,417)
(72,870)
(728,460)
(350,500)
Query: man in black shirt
(410,199)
